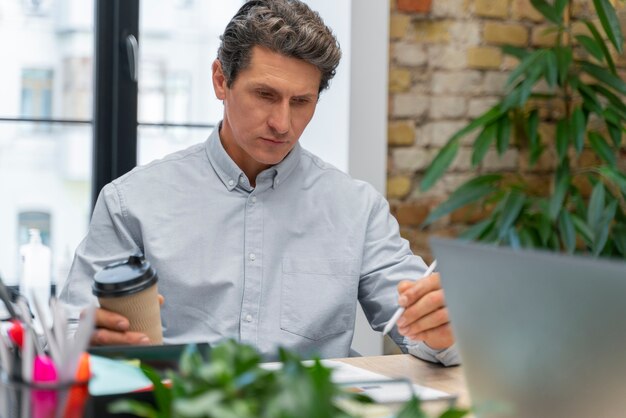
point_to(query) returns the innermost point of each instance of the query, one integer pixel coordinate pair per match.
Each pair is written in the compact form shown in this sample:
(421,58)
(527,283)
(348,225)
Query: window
(36,94)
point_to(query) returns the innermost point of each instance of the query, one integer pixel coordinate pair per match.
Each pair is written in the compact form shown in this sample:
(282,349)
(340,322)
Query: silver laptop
(540,334)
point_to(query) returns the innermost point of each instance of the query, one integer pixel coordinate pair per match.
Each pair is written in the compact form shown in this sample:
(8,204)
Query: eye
(300,101)
(263,94)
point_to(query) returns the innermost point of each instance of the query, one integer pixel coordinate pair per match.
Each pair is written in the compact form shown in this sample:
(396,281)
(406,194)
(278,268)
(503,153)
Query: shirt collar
(230,174)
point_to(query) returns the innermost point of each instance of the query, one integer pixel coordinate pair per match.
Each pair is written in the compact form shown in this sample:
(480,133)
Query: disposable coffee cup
(129,288)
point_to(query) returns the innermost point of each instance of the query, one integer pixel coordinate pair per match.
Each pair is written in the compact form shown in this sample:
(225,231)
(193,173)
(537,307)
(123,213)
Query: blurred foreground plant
(232,384)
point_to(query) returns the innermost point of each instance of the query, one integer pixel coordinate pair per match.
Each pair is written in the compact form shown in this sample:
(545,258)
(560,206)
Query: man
(252,236)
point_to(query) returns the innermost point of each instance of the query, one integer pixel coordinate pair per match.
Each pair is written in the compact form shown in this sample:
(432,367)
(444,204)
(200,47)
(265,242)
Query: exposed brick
(462,161)
(472,213)
(399,80)
(465,33)
(412,214)
(410,54)
(432,31)
(451,181)
(401,133)
(479,106)
(414,6)
(543,36)
(412,159)
(469,82)
(505,33)
(450,8)
(584,185)
(436,134)
(409,105)
(398,25)
(484,57)
(509,62)
(494,162)
(398,187)
(492,8)
(495,82)
(579,28)
(447,107)
(447,57)
(523,9)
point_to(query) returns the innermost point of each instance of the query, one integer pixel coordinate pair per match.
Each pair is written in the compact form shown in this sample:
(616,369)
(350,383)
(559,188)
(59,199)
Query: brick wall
(446,67)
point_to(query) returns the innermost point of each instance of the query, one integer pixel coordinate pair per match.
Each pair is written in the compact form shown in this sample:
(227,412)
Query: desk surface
(448,379)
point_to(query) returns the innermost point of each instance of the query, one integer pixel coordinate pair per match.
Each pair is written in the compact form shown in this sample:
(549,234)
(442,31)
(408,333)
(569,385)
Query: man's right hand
(112,329)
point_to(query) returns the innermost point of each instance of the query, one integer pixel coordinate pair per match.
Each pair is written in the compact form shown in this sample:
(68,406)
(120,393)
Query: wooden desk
(448,379)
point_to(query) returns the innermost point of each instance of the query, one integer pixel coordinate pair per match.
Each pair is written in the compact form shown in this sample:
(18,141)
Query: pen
(400,310)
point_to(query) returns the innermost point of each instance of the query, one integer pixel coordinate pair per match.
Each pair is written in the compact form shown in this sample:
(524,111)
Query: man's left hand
(426,316)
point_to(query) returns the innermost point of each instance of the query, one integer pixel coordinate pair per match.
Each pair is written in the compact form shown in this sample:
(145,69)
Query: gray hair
(288,27)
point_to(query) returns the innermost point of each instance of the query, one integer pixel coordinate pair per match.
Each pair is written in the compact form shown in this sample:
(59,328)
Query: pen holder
(42,400)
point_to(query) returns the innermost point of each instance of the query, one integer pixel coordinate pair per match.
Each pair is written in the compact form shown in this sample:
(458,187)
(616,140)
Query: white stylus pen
(400,310)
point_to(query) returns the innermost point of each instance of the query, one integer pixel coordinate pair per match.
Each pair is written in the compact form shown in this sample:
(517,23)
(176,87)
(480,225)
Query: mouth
(274,141)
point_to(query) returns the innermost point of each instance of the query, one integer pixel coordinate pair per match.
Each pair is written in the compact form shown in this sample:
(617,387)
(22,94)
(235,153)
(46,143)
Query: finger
(404,285)
(107,337)
(426,305)
(111,320)
(431,321)
(419,289)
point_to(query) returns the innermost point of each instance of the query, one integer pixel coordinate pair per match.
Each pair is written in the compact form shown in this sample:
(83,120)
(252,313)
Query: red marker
(16,333)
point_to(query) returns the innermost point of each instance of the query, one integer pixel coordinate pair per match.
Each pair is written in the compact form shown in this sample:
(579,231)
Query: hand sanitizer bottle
(36,266)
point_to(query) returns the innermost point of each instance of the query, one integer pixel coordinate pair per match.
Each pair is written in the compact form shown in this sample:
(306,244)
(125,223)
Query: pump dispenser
(36,266)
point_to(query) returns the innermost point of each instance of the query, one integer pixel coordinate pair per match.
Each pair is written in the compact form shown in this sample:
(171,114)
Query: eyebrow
(308,96)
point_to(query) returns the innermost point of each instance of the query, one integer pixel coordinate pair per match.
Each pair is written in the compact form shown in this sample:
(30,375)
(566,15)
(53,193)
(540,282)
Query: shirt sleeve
(387,260)
(448,356)
(109,239)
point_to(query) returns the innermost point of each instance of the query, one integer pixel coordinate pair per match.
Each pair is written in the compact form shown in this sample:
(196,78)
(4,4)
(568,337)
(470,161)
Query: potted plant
(585,208)
(231,383)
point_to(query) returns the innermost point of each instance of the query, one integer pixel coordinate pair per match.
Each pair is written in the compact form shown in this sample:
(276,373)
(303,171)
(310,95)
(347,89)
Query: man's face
(266,108)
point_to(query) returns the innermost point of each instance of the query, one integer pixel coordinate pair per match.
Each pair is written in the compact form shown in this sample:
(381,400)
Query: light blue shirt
(283,263)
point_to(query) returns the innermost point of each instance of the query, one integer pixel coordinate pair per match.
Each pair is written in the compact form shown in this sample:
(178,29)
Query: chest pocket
(318,296)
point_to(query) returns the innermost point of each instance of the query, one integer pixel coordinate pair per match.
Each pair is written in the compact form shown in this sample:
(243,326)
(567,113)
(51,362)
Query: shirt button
(252,256)
(253,199)
(248,318)
(231,183)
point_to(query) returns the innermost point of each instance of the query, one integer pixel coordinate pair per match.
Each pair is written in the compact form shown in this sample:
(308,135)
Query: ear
(219,80)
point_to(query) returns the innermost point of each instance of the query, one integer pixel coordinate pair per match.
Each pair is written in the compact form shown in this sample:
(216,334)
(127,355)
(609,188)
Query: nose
(280,118)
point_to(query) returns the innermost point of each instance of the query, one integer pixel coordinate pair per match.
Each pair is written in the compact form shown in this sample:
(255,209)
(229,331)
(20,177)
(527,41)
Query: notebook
(539,334)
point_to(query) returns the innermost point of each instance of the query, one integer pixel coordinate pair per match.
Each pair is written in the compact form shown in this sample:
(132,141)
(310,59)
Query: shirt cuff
(447,356)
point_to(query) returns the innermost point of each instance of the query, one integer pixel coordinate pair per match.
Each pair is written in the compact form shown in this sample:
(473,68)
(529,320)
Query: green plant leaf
(503,134)
(454,413)
(130,406)
(482,143)
(603,228)
(562,139)
(559,6)
(601,147)
(614,101)
(564,58)
(619,237)
(590,99)
(162,394)
(558,197)
(590,46)
(519,53)
(547,10)
(596,206)
(440,164)
(446,155)
(551,68)
(615,133)
(477,231)
(583,229)
(604,76)
(527,63)
(513,205)
(469,192)
(578,129)
(568,232)
(600,42)
(610,23)
(615,177)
